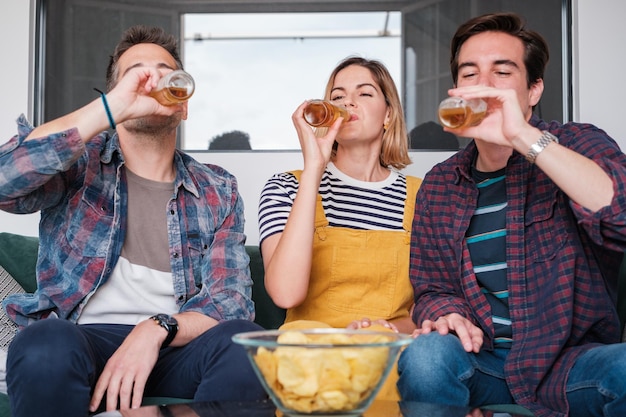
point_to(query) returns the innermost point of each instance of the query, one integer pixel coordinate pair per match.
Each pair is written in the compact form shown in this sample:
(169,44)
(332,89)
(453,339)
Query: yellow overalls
(359,273)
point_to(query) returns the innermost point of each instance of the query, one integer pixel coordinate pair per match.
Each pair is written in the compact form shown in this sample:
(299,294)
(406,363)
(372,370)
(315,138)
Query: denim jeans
(53,365)
(596,385)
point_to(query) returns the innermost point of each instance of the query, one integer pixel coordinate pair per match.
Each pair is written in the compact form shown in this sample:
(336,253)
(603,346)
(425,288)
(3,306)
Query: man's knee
(222,333)
(432,357)
(430,350)
(228,374)
(238,326)
(606,365)
(45,337)
(430,362)
(45,344)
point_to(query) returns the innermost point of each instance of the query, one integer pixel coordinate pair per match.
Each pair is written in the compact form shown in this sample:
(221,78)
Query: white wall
(599,33)
(15,33)
(598,89)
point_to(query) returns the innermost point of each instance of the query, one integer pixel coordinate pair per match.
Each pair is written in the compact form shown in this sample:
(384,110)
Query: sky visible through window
(253,70)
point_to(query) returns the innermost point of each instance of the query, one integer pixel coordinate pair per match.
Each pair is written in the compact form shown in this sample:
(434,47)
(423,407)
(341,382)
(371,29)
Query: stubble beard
(154,126)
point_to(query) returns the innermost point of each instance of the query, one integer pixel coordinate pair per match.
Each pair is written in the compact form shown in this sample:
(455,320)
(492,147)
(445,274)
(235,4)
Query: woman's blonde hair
(395,147)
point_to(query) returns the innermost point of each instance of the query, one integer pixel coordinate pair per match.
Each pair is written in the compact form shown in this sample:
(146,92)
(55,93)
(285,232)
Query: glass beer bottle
(322,113)
(458,113)
(173,88)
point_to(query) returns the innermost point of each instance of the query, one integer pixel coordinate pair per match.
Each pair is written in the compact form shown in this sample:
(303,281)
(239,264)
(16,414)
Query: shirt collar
(468,155)
(183,178)
(111,147)
(466,158)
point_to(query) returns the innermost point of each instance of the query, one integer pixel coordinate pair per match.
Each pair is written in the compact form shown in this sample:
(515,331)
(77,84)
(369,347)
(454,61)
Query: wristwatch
(536,148)
(170,324)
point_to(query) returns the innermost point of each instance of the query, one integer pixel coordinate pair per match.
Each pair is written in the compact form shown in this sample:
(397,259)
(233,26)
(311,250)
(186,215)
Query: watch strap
(170,324)
(536,148)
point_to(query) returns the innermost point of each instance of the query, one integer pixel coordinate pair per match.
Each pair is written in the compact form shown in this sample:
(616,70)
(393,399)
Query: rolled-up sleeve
(29,169)
(607,226)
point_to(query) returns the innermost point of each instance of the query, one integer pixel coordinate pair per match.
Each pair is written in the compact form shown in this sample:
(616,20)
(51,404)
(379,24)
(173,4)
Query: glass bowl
(322,371)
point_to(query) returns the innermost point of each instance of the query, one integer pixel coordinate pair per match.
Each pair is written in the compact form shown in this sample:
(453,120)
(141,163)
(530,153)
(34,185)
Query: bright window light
(253,70)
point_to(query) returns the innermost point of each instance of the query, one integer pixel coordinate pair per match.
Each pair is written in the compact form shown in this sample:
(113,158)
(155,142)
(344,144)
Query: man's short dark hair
(136,35)
(536,53)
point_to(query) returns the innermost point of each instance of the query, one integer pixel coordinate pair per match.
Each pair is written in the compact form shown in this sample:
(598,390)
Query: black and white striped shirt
(347,202)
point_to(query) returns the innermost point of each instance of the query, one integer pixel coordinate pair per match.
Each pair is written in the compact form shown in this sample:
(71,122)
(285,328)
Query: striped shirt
(347,202)
(486,241)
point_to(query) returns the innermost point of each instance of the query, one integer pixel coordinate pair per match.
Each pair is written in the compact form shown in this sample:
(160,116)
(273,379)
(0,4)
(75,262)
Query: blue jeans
(436,369)
(53,366)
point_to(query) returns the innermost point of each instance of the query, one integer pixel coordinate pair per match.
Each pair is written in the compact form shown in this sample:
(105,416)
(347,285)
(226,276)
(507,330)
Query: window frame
(171,11)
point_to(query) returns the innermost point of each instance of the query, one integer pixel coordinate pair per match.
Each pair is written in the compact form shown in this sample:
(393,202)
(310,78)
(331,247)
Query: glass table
(267,409)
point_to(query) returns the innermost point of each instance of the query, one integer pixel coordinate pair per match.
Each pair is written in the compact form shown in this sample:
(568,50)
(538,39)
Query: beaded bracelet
(107,109)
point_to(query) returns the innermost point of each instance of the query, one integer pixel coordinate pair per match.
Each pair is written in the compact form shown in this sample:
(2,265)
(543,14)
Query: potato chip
(336,372)
(267,364)
(292,337)
(298,370)
(334,400)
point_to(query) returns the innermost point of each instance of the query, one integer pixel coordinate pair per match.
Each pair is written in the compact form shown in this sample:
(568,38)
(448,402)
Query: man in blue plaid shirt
(142,272)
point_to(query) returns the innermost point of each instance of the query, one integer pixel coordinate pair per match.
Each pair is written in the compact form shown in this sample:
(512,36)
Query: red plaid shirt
(563,263)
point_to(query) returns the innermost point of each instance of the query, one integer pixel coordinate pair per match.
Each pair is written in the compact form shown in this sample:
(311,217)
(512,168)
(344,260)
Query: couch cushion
(7,327)
(18,255)
(268,315)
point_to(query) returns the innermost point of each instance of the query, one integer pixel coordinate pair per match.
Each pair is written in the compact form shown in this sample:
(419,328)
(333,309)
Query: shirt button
(176,255)
(172,212)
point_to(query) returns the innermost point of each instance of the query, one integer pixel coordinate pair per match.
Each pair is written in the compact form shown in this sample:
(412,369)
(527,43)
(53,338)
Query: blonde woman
(335,235)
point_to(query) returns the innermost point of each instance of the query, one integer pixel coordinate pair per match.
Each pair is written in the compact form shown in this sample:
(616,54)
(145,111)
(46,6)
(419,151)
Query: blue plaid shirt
(562,259)
(81,192)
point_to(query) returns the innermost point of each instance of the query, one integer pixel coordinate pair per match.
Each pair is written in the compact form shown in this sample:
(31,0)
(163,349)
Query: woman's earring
(385,126)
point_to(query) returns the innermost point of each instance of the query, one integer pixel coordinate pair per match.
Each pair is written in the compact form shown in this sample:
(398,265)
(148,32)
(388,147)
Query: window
(252,72)
(248,76)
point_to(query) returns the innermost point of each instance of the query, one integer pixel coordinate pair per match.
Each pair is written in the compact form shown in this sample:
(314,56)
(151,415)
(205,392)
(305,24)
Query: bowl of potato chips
(322,371)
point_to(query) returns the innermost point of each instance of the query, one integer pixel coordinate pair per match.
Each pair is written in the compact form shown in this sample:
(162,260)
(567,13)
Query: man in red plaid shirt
(516,246)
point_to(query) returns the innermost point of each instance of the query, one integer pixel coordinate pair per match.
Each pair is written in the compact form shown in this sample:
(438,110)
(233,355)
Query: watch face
(166,319)
(170,324)
(171,321)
